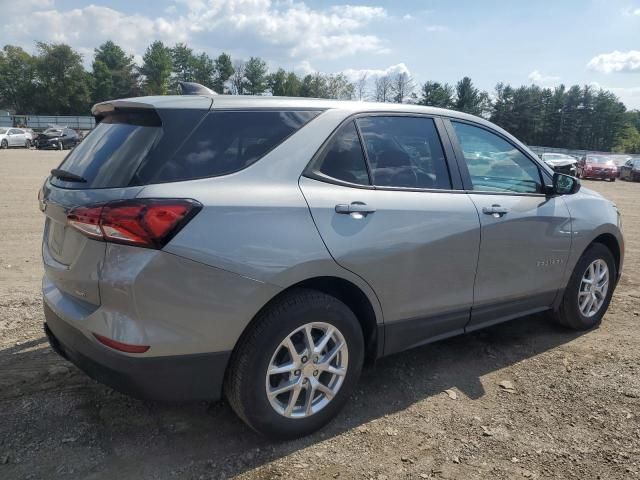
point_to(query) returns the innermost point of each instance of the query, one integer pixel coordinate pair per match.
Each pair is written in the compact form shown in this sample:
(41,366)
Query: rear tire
(578,291)
(267,346)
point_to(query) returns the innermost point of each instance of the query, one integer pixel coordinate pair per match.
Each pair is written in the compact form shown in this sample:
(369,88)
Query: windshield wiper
(68,176)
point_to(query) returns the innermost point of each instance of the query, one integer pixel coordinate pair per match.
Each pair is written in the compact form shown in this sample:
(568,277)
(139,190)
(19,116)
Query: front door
(525,235)
(394,220)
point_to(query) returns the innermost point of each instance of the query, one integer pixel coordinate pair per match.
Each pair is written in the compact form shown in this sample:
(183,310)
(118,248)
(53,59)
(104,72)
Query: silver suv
(263,248)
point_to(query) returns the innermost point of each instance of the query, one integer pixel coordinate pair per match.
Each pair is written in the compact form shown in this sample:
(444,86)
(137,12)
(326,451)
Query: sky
(546,42)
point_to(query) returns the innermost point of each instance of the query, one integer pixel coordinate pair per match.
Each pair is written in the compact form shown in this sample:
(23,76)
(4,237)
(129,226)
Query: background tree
(182,65)
(156,69)
(115,73)
(314,86)
(63,86)
(255,76)
(436,94)
(361,86)
(402,87)
(17,80)
(223,72)
(204,70)
(383,89)
(468,98)
(237,79)
(339,87)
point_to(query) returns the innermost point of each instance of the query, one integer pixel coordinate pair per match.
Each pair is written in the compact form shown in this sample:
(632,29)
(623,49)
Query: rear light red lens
(149,223)
(123,347)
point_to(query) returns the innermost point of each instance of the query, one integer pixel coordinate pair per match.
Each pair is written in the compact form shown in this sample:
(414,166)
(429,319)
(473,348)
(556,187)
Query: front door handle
(495,210)
(355,209)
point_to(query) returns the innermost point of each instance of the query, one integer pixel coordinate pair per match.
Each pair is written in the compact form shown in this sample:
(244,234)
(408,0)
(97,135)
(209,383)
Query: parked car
(58,138)
(265,248)
(630,170)
(14,137)
(597,166)
(561,162)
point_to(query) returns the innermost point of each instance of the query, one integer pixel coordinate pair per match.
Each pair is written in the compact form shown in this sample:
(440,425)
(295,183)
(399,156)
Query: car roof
(269,102)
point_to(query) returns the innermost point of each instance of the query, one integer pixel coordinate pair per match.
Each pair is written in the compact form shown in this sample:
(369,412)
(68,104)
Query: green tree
(223,72)
(339,87)
(469,99)
(63,84)
(17,79)
(156,69)
(255,76)
(314,86)
(277,83)
(204,70)
(436,94)
(182,66)
(115,73)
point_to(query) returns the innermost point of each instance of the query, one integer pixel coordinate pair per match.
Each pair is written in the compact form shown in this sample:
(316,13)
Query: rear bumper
(170,378)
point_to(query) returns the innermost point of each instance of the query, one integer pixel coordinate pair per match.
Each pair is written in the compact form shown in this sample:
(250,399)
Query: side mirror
(565,184)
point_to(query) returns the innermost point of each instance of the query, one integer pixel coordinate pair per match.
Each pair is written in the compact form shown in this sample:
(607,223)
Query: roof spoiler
(192,88)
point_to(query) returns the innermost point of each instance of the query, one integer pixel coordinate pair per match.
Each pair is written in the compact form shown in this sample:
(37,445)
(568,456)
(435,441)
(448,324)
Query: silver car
(264,248)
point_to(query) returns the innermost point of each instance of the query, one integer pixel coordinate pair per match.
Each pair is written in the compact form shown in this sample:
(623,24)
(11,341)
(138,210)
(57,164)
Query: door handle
(495,210)
(355,209)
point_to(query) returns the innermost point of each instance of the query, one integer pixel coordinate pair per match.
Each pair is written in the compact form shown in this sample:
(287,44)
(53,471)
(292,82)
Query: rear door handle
(495,210)
(355,209)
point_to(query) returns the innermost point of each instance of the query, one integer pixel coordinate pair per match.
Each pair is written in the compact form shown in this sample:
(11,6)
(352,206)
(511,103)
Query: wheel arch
(611,242)
(353,297)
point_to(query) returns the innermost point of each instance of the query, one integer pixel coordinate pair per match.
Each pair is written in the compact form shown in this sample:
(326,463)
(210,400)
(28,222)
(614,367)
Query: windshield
(599,159)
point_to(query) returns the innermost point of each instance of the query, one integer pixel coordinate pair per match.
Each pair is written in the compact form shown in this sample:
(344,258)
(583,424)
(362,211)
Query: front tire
(4,144)
(296,366)
(589,291)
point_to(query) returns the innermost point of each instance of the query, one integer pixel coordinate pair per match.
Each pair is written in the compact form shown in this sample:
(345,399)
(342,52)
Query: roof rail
(192,88)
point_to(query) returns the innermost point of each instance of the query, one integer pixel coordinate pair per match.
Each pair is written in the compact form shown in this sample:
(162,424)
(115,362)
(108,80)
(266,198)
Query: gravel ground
(570,409)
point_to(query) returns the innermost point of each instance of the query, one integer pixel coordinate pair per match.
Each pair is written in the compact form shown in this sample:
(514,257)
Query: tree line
(54,81)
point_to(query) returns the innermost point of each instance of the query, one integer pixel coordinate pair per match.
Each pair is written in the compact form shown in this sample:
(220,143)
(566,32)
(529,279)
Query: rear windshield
(140,148)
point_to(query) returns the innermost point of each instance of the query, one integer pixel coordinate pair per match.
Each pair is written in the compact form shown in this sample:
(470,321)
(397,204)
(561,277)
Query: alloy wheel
(593,288)
(307,370)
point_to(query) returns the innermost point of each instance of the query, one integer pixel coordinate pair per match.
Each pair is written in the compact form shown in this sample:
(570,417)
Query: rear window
(143,147)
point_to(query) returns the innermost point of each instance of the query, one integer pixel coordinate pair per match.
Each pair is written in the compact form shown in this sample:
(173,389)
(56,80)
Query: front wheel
(4,144)
(296,366)
(589,290)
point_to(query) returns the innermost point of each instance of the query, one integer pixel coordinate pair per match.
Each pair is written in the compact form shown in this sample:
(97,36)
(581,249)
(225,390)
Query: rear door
(390,213)
(525,235)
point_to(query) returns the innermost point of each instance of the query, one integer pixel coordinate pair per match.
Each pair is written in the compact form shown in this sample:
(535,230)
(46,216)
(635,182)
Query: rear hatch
(104,168)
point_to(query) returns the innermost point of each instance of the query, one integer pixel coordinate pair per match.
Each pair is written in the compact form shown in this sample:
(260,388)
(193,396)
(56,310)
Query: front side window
(404,152)
(343,158)
(494,164)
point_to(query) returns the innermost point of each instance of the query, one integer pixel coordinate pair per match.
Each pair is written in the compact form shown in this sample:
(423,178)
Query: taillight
(149,223)
(123,347)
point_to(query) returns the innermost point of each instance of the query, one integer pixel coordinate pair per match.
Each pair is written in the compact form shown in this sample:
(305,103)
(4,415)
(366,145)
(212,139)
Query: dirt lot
(574,411)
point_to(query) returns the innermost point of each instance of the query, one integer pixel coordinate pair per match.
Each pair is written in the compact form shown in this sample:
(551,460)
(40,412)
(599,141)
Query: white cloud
(437,28)
(542,80)
(631,12)
(372,73)
(295,28)
(616,61)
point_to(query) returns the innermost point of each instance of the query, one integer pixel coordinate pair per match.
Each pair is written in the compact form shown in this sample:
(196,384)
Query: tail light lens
(149,223)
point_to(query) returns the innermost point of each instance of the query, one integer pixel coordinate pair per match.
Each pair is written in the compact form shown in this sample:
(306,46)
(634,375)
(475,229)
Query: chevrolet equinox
(264,248)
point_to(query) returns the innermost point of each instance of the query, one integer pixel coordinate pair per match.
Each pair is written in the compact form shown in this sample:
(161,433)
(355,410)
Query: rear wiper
(68,176)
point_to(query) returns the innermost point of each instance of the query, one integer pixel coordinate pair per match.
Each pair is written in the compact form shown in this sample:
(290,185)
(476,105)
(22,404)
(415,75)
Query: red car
(597,166)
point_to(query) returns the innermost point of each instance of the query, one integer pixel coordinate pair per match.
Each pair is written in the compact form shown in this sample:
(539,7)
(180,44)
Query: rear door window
(404,152)
(226,142)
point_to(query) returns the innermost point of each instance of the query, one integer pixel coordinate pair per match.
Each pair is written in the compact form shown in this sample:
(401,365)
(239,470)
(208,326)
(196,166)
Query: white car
(15,137)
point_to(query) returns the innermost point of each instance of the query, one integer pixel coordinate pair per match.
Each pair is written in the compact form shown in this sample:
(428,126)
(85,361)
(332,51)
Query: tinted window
(495,164)
(225,142)
(404,152)
(343,158)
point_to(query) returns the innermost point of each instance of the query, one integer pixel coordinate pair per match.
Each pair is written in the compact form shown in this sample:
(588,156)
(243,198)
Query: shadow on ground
(105,434)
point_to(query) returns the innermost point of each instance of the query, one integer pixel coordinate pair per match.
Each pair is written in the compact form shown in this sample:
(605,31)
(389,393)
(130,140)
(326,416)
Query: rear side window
(343,158)
(226,142)
(404,152)
(130,148)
